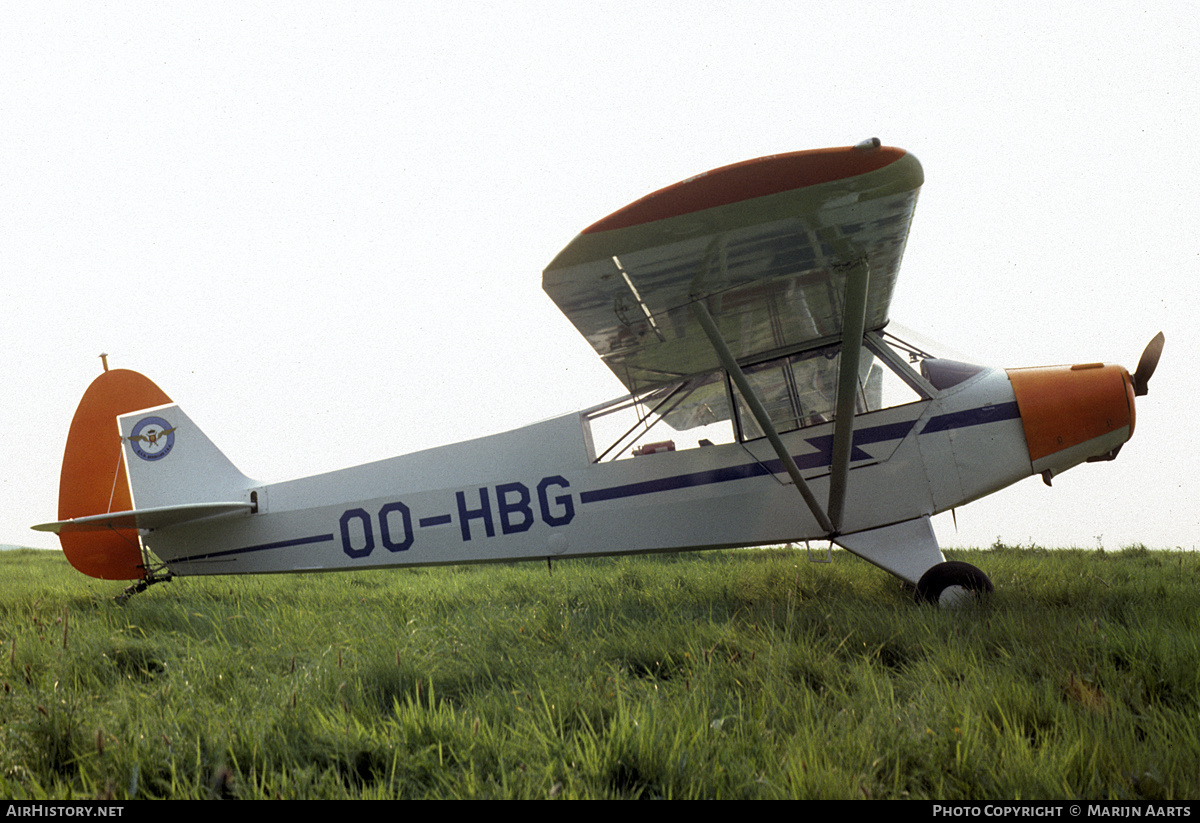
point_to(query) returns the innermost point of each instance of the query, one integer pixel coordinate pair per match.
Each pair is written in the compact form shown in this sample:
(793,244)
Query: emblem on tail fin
(152,438)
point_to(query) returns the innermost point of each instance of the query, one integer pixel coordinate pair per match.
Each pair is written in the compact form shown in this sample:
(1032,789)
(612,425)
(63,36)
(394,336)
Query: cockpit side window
(800,390)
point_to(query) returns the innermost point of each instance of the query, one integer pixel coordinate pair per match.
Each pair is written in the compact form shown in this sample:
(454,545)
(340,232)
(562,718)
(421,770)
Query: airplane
(745,311)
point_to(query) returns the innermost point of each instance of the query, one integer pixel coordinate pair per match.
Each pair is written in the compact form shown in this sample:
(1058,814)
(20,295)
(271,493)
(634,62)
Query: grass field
(740,674)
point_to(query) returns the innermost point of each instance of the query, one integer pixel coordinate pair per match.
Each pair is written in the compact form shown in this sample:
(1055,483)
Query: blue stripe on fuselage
(972,417)
(280,544)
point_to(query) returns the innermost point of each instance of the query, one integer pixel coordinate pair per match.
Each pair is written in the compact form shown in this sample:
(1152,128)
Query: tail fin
(172,463)
(93,479)
(128,447)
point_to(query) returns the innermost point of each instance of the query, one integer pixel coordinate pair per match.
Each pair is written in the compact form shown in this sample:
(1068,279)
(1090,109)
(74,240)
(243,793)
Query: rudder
(94,479)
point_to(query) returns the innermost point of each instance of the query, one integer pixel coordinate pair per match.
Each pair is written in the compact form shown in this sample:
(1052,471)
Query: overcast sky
(320,227)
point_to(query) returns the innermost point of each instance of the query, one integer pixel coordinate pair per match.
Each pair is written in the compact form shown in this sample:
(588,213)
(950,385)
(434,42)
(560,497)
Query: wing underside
(766,245)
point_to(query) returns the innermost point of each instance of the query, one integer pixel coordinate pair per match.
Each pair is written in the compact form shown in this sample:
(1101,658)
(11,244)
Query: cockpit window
(797,390)
(800,390)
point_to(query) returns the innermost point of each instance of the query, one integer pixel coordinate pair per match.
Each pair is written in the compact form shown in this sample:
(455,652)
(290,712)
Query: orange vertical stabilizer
(93,479)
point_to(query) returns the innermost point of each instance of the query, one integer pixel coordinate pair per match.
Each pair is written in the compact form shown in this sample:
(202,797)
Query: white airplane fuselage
(535,493)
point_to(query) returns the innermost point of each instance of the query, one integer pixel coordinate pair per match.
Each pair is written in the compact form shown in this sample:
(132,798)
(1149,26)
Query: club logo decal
(152,438)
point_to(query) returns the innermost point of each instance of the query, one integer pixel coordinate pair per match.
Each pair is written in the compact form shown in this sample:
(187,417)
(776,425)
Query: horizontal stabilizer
(158,517)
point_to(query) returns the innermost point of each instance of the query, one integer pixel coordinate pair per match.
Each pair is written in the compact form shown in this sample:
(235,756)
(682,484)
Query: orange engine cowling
(1072,413)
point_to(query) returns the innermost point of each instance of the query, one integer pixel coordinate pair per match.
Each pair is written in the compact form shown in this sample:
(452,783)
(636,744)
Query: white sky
(320,227)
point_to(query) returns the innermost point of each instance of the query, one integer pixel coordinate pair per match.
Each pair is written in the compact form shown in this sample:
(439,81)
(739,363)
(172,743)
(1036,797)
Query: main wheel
(952,582)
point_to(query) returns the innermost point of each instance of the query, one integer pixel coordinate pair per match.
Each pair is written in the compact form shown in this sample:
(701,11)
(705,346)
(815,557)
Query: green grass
(741,674)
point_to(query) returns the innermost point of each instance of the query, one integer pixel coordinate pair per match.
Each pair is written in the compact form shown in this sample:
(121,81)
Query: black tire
(951,573)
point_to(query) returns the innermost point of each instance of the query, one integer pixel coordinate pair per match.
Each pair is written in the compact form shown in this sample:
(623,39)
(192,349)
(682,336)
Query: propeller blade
(1147,365)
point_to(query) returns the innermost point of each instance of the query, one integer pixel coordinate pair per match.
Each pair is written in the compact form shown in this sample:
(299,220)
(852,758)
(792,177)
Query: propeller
(1147,365)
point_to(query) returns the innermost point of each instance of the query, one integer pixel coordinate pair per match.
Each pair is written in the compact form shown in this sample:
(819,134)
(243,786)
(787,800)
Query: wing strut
(760,413)
(858,277)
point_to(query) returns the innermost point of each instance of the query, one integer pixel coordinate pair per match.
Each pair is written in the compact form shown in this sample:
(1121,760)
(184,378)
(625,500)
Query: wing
(766,243)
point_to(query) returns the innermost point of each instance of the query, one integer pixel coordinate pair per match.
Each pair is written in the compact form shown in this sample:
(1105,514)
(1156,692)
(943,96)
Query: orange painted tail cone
(93,479)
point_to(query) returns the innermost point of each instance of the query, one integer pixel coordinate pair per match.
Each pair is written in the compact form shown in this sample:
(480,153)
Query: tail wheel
(952,582)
